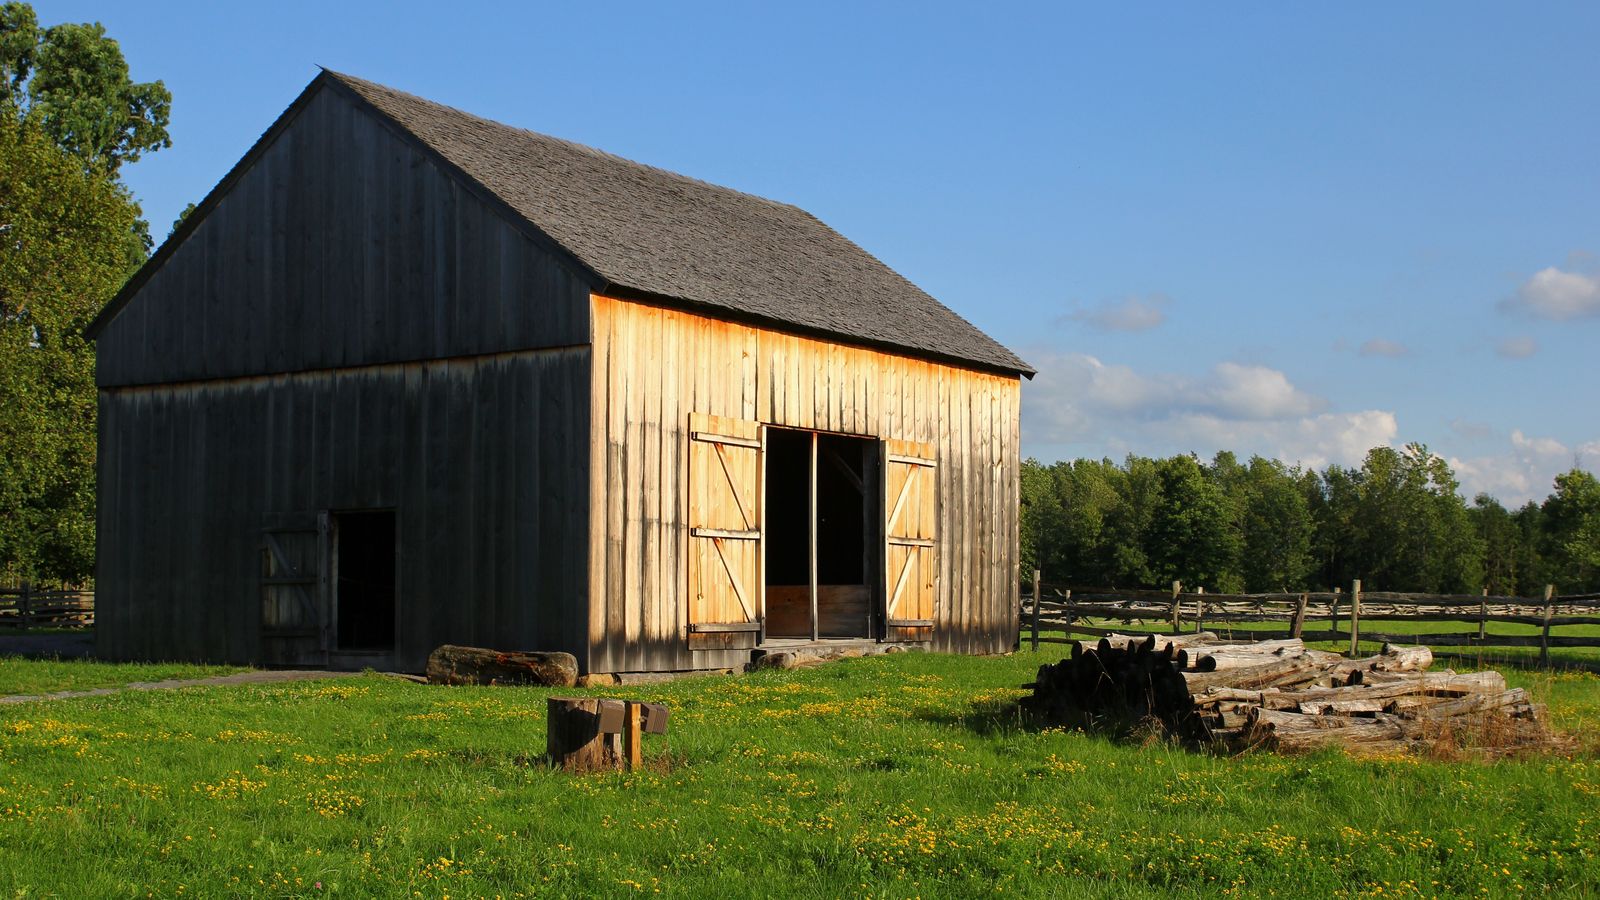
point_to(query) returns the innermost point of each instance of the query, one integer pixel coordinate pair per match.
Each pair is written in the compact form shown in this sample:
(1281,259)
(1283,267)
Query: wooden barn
(409,377)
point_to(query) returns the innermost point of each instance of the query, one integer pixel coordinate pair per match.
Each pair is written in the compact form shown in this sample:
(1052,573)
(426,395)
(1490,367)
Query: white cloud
(1384,347)
(1078,399)
(1554,294)
(1524,469)
(1254,392)
(1518,347)
(1315,441)
(1130,313)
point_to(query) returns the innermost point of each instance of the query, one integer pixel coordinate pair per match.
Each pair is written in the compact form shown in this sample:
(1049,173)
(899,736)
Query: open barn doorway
(364,568)
(822,520)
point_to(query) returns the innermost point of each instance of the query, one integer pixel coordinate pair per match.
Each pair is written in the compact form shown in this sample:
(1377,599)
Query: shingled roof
(664,235)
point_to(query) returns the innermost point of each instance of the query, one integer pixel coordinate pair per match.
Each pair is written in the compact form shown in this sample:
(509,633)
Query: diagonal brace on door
(307,606)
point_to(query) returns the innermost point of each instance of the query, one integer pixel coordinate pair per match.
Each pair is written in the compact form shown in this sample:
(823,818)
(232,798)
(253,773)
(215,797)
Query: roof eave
(638,295)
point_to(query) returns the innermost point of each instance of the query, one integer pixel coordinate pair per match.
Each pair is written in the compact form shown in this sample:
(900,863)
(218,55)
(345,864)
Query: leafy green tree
(1572,532)
(1124,552)
(184,214)
(1398,523)
(1232,479)
(63,253)
(1532,570)
(1277,528)
(72,81)
(1190,537)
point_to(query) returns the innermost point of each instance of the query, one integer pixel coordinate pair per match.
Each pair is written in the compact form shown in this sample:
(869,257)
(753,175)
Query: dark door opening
(821,516)
(364,558)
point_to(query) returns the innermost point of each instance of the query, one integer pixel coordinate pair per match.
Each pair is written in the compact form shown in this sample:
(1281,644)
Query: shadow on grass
(994,717)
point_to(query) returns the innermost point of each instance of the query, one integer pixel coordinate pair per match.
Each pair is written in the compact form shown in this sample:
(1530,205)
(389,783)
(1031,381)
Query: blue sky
(1275,228)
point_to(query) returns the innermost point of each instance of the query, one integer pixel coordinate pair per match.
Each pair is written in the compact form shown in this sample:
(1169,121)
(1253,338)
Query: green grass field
(887,776)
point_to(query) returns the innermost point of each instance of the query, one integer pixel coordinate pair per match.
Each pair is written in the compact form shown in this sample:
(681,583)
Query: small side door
(294,591)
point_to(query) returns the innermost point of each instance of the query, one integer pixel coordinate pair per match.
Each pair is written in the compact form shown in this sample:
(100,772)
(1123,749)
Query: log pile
(1282,695)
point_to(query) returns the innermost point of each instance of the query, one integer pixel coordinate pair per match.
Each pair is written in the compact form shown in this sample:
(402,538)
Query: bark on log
(451,664)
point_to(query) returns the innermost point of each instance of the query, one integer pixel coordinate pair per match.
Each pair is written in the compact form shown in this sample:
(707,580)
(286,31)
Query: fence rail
(26,607)
(1335,616)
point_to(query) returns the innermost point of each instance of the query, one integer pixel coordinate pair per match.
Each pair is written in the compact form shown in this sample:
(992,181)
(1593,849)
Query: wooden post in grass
(1544,636)
(1355,618)
(1483,616)
(1036,610)
(1177,612)
(1199,609)
(632,735)
(1298,623)
(1333,612)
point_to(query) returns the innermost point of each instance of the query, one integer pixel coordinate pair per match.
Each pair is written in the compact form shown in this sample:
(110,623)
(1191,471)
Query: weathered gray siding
(342,244)
(484,460)
(349,326)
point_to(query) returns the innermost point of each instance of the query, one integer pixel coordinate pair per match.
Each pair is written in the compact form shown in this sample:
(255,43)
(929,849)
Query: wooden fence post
(1298,623)
(1544,637)
(1036,610)
(632,732)
(1483,616)
(25,606)
(1355,618)
(1333,612)
(1199,609)
(1177,588)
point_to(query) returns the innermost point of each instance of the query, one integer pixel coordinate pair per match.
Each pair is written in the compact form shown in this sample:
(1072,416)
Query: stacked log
(1282,695)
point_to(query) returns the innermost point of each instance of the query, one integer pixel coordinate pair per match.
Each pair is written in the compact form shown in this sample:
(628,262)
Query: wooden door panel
(725,532)
(910,540)
(293,593)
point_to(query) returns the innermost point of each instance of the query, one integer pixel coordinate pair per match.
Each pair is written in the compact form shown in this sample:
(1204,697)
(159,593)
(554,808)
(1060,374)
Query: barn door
(725,525)
(910,561)
(294,621)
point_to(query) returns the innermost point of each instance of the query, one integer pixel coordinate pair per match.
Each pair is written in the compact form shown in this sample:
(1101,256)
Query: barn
(409,377)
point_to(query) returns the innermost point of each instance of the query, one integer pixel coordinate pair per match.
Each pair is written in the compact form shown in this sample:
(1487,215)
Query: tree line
(1398,522)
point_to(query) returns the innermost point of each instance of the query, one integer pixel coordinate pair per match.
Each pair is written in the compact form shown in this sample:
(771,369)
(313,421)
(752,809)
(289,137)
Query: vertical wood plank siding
(342,245)
(271,369)
(482,459)
(654,366)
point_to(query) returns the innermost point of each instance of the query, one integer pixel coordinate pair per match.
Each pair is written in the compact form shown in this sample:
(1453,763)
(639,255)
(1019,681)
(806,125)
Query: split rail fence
(1336,616)
(26,607)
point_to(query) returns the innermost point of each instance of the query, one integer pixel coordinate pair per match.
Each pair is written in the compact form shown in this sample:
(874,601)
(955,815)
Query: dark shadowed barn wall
(653,367)
(273,367)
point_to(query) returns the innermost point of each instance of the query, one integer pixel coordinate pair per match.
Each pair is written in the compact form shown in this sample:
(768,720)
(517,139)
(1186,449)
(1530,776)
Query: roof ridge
(354,80)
